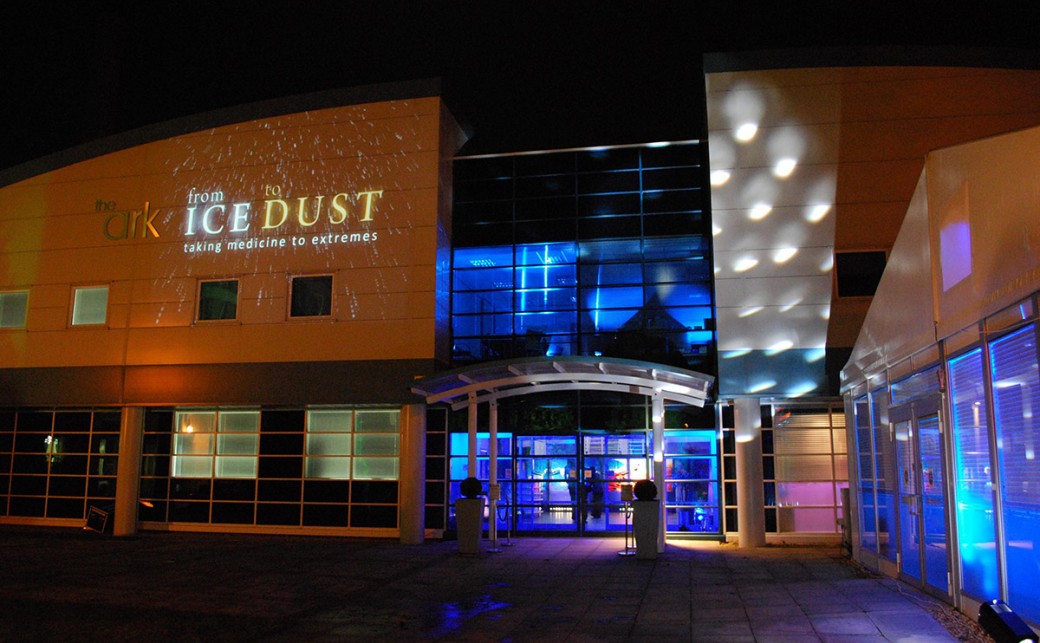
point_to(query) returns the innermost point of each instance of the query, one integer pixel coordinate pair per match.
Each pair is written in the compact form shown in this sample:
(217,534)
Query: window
(329,444)
(89,305)
(376,444)
(976,529)
(221,444)
(311,296)
(1015,387)
(859,273)
(362,444)
(218,300)
(13,306)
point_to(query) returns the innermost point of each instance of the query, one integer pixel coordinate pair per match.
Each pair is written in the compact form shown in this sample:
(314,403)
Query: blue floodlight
(1003,624)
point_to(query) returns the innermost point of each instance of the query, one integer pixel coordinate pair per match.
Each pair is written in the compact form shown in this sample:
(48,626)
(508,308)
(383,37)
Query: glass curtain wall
(583,253)
(994,483)
(57,464)
(317,467)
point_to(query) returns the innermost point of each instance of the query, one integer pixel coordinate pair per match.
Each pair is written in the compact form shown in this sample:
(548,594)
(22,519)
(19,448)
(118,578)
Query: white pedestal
(645,525)
(469,516)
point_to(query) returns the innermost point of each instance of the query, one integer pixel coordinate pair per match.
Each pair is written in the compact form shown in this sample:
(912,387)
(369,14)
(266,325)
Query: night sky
(523,75)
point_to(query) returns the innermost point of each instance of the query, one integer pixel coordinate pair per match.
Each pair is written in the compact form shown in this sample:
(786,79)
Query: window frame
(199,302)
(292,289)
(73,305)
(25,312)
(856,280)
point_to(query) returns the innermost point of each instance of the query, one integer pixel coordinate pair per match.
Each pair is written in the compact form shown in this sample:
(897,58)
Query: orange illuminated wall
(354,192)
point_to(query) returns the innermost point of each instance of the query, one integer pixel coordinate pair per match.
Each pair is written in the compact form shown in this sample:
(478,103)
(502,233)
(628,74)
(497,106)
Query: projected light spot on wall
(776,252)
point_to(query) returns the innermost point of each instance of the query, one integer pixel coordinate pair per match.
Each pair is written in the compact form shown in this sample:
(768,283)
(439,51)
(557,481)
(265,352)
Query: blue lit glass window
(484,279)
(609,274)
(610,250)
(976,531)
(886,475)
(614,297)
(1016,384)
(548,323)
(695,318)
(865,453)
(697,294)
(600,252)
(603,320)
(482,325)
(672,248)
(678,271)
(484,257)
(547,276)
(546,254)
(543,299)
(482,301)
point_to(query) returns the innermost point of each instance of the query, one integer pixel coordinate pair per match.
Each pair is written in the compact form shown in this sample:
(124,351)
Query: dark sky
(522,75)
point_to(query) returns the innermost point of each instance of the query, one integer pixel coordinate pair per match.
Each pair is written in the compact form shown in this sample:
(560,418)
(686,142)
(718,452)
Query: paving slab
(68,585)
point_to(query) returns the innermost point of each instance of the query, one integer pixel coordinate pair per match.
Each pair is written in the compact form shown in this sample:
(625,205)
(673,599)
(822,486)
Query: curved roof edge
(226,116)
(490,381)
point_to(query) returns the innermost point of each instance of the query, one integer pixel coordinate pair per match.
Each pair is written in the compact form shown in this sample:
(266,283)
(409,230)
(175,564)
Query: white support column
(493,488)
(471,461)
(657,417)
(128,473)
(751,513)
(412,460)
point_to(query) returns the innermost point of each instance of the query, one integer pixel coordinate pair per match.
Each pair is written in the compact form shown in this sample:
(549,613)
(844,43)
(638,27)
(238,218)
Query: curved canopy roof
(493,380)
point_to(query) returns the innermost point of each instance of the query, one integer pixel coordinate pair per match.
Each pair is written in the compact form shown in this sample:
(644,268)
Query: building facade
(224,327)
(220,327)
(940,384)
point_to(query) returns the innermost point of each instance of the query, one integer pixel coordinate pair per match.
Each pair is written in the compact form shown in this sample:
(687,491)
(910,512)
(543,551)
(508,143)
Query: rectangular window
(311,296)
(13,306)
(363,444)
(377,444)
(976,529)
(1016,384)
(329,444)
(89,305)
(220,444)
(859,273)
(218,300)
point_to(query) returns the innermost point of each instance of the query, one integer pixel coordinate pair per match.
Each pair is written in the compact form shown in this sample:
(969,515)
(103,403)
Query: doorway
(572,484)
(923,514)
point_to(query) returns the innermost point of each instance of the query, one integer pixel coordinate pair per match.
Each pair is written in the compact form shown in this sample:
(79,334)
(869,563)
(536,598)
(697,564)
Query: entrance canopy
(491,381)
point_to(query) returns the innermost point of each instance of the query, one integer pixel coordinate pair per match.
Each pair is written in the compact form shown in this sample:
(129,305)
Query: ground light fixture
(1003,625)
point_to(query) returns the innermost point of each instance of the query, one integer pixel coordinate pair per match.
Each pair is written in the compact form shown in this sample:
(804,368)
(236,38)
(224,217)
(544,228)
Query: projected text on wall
(212,223)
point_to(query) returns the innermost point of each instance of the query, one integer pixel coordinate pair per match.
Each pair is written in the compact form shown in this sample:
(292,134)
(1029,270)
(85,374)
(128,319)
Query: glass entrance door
(909,501)
(573,483)
(610,461)
(546,483)
(933,498)
(922,502)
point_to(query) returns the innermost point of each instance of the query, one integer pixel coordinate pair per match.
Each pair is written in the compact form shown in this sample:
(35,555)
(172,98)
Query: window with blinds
(1016,386)
(973,475)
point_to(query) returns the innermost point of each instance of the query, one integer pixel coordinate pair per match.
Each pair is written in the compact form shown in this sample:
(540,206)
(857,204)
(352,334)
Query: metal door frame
(913,412)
